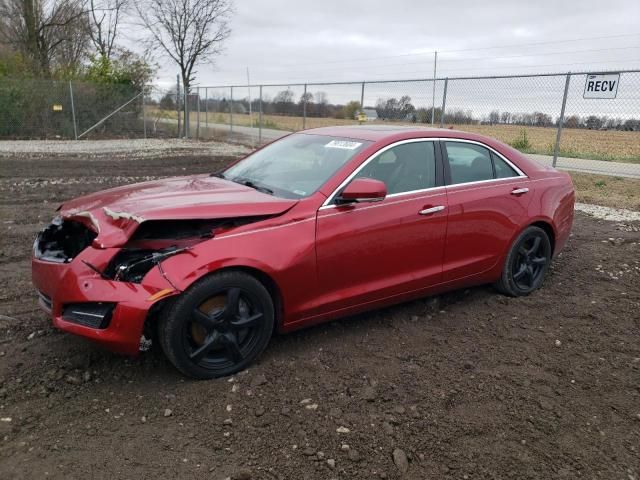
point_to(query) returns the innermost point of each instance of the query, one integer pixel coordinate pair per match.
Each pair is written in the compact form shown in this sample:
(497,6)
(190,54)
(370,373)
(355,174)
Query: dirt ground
(469,385)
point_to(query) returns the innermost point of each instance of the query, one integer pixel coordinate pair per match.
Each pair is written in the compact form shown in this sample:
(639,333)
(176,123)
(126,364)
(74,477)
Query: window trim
(328,203)
(492,151)
(442,164)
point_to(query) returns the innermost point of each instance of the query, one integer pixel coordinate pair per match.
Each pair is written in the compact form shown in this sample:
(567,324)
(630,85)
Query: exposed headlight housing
(131,265)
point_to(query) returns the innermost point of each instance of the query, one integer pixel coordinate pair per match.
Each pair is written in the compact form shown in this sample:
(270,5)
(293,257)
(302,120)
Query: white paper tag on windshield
(344,144)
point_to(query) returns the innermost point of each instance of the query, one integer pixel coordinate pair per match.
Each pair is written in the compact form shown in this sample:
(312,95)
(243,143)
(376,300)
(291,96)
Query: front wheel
(526,264)
(218,326)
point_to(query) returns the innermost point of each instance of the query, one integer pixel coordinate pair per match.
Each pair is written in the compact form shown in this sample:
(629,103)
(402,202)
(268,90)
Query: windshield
(295,166)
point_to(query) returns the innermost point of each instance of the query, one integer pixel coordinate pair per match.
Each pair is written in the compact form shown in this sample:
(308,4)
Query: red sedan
(317,225)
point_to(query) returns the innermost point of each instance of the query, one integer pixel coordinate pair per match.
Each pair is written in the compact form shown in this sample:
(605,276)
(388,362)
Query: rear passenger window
(468,162)
(503,170)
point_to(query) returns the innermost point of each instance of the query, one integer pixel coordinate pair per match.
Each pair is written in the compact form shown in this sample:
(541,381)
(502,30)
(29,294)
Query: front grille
(45,301)
(62,241)
(93,315)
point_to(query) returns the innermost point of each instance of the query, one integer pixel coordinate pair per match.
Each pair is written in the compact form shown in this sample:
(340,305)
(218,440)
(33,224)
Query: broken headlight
(62,241)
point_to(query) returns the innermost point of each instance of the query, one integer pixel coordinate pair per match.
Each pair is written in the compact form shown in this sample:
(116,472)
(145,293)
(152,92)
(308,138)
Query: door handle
(430,210)
(519,191)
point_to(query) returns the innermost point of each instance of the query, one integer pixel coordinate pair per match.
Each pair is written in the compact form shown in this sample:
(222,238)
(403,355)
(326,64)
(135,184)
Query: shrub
(521,142)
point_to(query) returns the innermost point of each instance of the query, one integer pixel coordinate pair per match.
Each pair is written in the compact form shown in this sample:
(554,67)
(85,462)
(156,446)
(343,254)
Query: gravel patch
(608,213)
(154,147)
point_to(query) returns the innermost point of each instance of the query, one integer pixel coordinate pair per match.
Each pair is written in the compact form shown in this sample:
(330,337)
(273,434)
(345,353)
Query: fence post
(260,118)
(144,114)
(231,111)
(556,149)
(304,107)
(433,87)
(444,101)
(178,110)
(73,112)
(198,109)
(206,108)
(362,97)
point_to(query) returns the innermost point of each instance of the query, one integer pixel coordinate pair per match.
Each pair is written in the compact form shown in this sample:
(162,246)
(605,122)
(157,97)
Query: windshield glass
(295,166)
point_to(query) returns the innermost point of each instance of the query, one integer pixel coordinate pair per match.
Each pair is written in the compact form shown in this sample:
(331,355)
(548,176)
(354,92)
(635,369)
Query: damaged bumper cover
(73,293)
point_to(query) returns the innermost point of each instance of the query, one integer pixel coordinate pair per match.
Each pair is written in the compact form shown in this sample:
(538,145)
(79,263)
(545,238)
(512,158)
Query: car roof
(374,132)
(386,134)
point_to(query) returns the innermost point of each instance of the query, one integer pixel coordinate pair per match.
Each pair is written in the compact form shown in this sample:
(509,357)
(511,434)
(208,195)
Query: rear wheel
(218,326)
(526,264)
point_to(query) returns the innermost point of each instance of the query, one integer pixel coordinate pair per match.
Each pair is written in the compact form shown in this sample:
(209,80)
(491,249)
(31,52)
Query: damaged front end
(99,267)
(100,288)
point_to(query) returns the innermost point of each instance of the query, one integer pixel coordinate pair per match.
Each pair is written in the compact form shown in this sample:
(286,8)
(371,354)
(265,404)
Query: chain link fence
(546,116)
(46,109)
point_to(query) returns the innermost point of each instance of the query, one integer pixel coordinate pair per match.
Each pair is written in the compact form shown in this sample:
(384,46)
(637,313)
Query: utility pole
(433,92)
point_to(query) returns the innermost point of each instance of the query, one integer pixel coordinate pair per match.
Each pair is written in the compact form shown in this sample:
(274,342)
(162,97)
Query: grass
(608,191)
(576,143)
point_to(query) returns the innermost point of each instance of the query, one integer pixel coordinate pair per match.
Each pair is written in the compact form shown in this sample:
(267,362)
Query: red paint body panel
(326,262)
(375,250)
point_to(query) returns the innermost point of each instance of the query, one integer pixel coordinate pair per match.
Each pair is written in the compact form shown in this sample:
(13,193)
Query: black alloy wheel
(527,263)
(218,326)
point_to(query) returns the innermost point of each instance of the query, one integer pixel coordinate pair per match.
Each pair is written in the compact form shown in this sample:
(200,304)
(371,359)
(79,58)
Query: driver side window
(404,168)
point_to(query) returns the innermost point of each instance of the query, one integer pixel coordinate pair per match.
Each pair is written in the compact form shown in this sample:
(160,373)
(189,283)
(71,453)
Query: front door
(371,251)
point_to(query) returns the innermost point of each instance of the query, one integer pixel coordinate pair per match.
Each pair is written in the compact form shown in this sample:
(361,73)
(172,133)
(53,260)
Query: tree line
(539,119)
(389,109)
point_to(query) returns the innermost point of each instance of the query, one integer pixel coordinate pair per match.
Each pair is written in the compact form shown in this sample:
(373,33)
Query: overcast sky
(329,40)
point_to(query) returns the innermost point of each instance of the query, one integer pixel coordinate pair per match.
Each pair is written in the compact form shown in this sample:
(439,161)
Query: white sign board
(601,85)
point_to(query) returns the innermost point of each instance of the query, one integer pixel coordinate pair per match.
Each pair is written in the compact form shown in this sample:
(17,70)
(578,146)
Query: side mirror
(363,190)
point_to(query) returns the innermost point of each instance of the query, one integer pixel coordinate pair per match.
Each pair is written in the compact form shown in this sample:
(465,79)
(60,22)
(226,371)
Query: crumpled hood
(117,212)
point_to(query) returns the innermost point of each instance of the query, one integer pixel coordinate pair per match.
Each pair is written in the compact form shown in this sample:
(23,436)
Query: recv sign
(601,85)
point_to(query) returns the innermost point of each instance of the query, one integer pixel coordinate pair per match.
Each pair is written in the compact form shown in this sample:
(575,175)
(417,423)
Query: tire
(218,326)
(526,264)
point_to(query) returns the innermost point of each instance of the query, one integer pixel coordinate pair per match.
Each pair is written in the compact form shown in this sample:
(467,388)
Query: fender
(287,263)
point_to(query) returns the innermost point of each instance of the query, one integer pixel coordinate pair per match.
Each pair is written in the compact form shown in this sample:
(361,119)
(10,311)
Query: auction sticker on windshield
(344,144)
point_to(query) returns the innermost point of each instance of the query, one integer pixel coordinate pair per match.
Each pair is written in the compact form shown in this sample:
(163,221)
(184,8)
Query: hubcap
(222,329)
(530,262)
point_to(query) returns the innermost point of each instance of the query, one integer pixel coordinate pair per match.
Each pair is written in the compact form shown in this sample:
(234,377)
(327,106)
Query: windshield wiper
(217,174)
(250,183)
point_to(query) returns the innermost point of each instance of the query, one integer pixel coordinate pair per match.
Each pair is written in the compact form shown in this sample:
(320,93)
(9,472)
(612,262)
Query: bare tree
(105,18)
(187,31)
(40,28)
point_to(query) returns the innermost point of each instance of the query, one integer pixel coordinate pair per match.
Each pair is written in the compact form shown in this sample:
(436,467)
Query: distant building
(370,114)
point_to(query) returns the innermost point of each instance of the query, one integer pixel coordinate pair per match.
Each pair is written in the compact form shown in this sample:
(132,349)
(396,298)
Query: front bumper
(61,284)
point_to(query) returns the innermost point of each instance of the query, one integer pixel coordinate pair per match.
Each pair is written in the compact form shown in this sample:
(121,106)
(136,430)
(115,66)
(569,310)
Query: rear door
(488,199)
(370,251)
